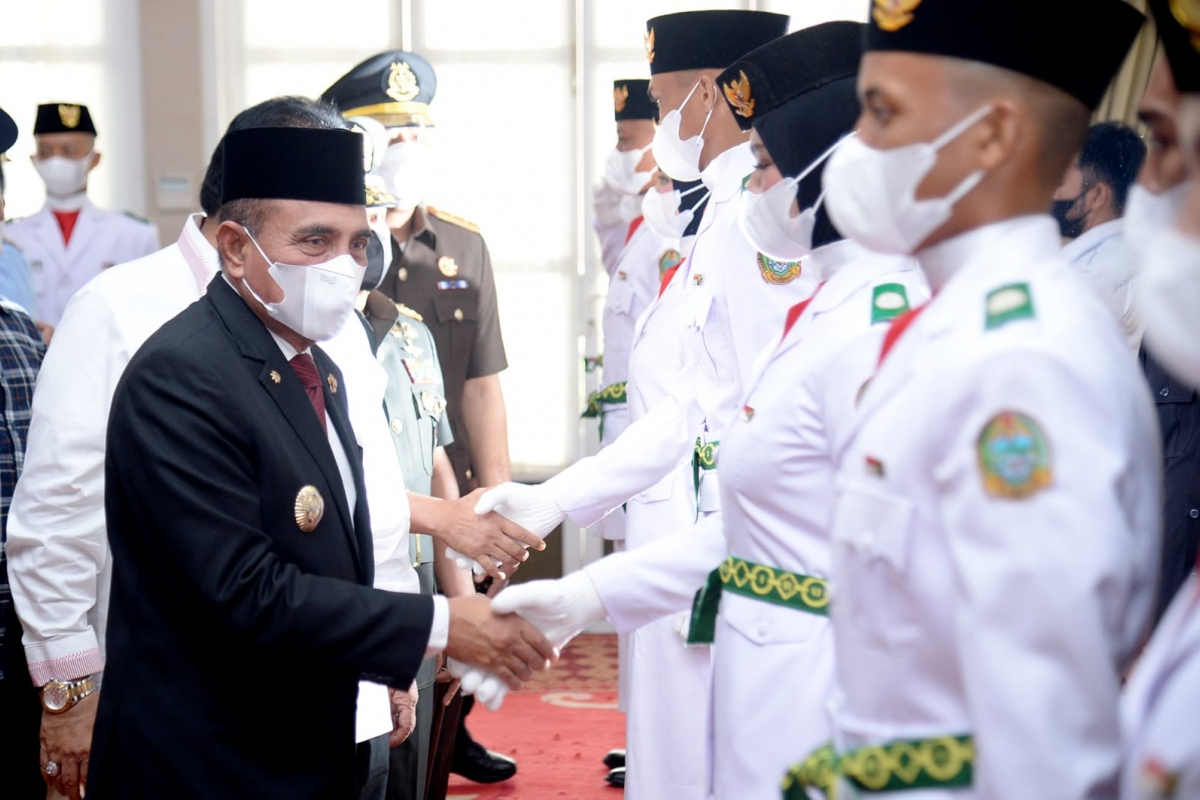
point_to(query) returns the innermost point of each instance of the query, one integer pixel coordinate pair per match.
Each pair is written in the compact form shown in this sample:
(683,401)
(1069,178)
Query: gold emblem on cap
(275,378)
(737,92)
(309,508)
(620,98)
(402,82)
(892,15)
(649,44)
(447,266)
(69,114)
(1187,14)
(332,381)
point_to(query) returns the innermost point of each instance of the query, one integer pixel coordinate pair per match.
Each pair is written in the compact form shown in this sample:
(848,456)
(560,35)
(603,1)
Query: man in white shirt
(1089,205)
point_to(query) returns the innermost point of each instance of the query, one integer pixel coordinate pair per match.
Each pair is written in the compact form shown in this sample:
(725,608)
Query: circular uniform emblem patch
(669,258)
(1014,457)
(778,272)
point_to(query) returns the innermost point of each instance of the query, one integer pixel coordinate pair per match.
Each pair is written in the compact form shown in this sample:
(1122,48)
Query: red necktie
(795,311)
(306,370)
(899,326)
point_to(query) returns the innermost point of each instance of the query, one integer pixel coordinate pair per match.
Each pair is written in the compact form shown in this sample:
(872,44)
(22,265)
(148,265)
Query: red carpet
(557,729)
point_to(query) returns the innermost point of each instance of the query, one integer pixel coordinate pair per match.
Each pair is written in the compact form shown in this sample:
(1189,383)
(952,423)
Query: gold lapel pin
(332,381)
(275,377)
(309,508)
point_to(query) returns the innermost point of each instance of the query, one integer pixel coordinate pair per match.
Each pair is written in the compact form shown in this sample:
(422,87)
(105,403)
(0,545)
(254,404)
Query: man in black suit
(241,616)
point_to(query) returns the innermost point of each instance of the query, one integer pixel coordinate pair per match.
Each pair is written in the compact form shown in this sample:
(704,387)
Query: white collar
(826,260)
(945,260)
(200,256)
(1091,239)
(725,173)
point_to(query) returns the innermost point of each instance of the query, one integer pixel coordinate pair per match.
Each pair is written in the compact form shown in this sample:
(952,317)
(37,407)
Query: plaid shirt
(21,352)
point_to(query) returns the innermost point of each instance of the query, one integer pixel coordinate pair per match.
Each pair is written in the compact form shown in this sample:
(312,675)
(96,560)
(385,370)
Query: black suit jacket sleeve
(187,445)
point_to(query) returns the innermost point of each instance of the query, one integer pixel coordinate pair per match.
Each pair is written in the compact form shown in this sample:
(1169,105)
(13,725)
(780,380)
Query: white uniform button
(396,426)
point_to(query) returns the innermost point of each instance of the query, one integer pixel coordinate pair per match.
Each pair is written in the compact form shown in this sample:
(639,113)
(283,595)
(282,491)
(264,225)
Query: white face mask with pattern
(317,298)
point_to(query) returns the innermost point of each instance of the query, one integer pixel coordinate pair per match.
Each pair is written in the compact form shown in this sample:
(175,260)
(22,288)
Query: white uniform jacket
(58,560)
(632,286)
(1158,710)
(99,240)
(731,306)
(1105,261)
(995,541)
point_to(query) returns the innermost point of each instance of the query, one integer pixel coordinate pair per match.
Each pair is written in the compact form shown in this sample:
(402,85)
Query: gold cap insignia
(892,15)
(1187,14)
(447,266)
(620,98)
(737,92)
(332,381)
(69,114)
(309,508)
(649,44)
(275,378)
(402,82)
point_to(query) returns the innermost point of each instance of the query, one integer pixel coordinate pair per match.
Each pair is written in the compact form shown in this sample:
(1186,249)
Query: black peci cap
(1074,45)
(325,166)
(708,39)
(1179,28)
(631,100)
(8,132)
(395,88)
(63,118)
(769,76)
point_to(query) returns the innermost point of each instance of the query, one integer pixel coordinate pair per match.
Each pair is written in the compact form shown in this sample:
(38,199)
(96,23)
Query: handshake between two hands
(497,646)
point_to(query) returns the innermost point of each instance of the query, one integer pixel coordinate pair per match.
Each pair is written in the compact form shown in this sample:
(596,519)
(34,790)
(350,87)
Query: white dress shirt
(58,560)
(1105,262)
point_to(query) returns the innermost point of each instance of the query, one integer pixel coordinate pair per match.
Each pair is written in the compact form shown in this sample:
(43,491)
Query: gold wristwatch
(58,696)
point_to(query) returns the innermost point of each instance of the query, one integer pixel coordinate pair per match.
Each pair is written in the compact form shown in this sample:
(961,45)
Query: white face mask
(662,214)
(620,171)
(64,176)
(766,218)
(1167,296)
(872,194)
(677,158)
(317,298)
(407,172)
(1147,214)
(616,208)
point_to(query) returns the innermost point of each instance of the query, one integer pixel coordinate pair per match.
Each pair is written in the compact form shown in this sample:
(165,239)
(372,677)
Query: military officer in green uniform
(415,402)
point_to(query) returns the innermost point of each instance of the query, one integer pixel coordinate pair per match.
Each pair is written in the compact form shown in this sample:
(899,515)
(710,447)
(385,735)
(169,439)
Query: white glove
(560,609)
(487,688)
(532,507)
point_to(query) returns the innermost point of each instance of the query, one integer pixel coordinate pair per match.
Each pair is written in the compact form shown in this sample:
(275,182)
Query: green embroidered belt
(945,762)
(703,459)
(611,395)
(758,582)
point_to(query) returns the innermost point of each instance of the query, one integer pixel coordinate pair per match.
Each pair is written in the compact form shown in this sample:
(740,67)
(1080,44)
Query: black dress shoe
(615,758)
(616,777)
(478,764)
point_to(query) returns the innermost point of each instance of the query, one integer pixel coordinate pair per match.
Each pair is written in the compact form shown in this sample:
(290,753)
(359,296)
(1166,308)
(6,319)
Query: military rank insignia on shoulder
(136,218)
(888,301)
(1014,457)
(408,312)
(446,216)
(1008,304)
(779,273)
